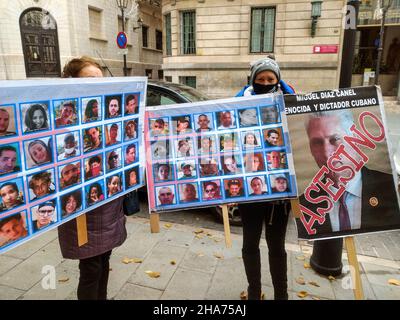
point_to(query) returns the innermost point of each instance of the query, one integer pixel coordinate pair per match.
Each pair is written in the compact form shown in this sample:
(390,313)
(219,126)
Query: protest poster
(67,146)
(345,174)
(215,152)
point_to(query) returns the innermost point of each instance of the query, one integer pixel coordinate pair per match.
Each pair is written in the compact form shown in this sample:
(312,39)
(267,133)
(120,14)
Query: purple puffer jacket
(106,231)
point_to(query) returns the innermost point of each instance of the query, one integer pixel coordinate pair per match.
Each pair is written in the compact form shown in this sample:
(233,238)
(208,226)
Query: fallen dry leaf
(331,278)
(209,234)
(243,295)
(302,258)
(198,236)
(315,298)
(130,260)
(218,255)
(173,262)
(217,240)
(300,280)
(394,282)
(167,225)
(126,260)
(63,280)
(153,274)
(198,231)
(200,254)
(306,265)
(313,283)
(302,294)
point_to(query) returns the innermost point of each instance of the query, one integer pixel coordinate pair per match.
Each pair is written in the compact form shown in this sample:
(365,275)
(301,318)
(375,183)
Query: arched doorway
(40,43)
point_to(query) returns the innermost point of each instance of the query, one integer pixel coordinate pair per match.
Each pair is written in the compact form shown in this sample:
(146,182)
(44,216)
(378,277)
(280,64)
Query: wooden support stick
(81,228)
(354,268)
(227,229)
(295,207)
(155,222)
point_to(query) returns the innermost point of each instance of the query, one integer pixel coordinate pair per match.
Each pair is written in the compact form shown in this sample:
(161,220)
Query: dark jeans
(275,218)
(93,278)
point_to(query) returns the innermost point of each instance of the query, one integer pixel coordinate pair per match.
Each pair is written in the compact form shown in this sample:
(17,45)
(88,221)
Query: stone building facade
(37,37)
(227,35)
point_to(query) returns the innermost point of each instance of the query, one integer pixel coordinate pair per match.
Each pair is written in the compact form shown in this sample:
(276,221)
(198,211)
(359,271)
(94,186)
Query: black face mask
(261,88)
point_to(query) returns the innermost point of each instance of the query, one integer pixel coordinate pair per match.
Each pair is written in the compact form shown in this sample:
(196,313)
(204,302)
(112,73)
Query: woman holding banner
(265,78)
(105,224)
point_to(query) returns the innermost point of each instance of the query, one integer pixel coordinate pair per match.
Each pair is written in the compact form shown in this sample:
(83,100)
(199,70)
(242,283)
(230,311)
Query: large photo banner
(344,171)
(67,146)
(215,152)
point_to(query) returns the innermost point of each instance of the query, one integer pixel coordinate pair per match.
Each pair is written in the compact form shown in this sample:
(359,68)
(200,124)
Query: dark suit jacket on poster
(379,206)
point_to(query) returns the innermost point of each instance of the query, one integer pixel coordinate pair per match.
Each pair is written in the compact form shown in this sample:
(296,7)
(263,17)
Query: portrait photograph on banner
(223,151)
(345,173)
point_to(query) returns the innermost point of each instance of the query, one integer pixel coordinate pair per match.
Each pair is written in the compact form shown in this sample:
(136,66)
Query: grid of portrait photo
(207,157)
(62,157)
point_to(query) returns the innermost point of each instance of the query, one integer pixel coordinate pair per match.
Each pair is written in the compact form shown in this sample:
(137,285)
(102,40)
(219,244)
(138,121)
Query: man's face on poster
(70,174)
(40,187)
(203,122)
(226,119)
(4,121)
(166,196)
(325,135)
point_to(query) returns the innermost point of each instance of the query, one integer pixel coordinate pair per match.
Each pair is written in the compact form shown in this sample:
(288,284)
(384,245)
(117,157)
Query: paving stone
(324,291)
(26,274)
(178,238)
(7,263)
(199,262)
(66,283)
(143,241)
(386,292)
(27,249)
(187,285)
(159,261)
(226,271)
(379,275)
(119,274)
(8,293)
(134,292)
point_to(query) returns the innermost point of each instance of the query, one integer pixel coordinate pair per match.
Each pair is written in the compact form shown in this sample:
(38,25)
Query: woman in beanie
(265,78)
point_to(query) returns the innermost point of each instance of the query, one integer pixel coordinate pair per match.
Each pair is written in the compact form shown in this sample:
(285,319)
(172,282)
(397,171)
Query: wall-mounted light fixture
(139,24)
(316,6)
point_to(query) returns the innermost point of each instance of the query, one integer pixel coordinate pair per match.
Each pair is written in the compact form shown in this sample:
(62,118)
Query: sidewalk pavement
(193,263)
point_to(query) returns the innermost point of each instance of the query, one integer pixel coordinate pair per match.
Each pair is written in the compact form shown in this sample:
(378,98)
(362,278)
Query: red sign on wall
(326,48)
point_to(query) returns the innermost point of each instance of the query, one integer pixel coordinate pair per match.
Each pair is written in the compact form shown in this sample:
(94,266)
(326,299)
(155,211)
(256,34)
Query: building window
(188,32)
(168,37)
(160,74)
(396,4)
(262,30)
(189,81)
(40,43)
(158,40)
(149,73)
(145,36)
(168,78)
(95,22)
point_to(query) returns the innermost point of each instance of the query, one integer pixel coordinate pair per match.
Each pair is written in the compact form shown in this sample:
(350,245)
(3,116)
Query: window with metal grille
(262,30)
(396,4)
(145,36)
(168,78)
(188,80)
(158,40)
(168,40)
(188,32)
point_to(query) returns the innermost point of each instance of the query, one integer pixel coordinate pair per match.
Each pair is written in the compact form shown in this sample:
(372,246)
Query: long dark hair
(89,109)
(99,191)
(29,117)
(47,147)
